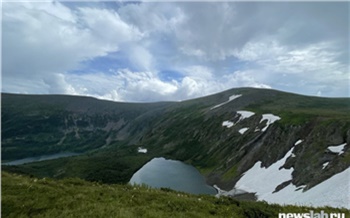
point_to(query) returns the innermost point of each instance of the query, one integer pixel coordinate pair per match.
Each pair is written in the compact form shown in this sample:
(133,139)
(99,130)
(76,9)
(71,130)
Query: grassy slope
(78,198)
(298,109)
(112,165)
(186,123)
(34,125)
(184,117)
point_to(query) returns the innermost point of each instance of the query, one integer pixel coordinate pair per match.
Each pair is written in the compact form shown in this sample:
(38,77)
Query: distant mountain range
(271,143)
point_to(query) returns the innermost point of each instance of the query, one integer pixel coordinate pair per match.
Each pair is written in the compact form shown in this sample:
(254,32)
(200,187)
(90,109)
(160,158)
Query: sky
(172,51)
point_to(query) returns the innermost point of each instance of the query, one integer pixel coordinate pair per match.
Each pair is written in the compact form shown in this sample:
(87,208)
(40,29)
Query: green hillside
(107,134)
(78,198)
(44,124)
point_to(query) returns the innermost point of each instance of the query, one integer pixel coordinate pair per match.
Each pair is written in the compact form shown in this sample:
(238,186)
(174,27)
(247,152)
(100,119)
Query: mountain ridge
(191,99)
(192,131)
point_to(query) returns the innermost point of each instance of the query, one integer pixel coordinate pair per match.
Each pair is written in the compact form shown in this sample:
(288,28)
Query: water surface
(40,158)
(176,175)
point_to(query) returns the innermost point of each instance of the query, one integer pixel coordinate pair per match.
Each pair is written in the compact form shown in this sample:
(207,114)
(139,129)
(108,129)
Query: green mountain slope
(78,198)
(192,131)
(40,124)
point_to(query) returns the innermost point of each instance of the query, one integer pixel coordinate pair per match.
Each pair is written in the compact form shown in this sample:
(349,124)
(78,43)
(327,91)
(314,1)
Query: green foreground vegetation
(24,196)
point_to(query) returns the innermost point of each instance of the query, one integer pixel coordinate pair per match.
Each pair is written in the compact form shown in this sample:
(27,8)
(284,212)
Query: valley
(294,143)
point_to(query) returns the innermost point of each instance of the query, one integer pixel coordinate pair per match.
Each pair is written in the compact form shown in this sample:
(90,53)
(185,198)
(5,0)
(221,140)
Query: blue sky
(157,51)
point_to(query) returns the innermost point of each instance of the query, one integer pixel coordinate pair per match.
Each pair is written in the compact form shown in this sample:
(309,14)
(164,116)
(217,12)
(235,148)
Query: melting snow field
(337,149)
(231,98)
(227,123)
(325,165)
(142,150)
(262,180)
(232,192)
(332,192)
(243,130)
(270,120)
(298,142)
(245,114)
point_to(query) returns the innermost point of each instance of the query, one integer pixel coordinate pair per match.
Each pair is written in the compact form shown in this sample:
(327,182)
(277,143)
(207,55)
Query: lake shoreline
(236,194)
(40,158)
(166,173)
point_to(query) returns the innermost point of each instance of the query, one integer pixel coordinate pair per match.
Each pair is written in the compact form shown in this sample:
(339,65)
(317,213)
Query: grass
(205,170)
(114,165)
(23,196)
(231,173)
(297,109)
(33,125)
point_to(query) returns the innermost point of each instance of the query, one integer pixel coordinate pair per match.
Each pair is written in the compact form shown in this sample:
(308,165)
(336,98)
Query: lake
(40,158)
(160,172)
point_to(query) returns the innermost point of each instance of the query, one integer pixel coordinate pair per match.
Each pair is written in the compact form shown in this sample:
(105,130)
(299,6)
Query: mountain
(290,144)
(44,124)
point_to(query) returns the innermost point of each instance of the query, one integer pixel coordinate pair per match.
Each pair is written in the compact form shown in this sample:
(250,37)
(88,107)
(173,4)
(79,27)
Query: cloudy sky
(153,51)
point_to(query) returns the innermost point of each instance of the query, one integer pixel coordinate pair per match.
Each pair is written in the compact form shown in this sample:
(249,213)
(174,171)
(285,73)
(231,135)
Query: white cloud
(207,38)
(57,83)
(107,27)
(42,39)
(272,56)
(193,52)
(199,72)
(145,85)
(140,57)
(154,17)
(313,68)
(245,79)
(298,47)
(125,85)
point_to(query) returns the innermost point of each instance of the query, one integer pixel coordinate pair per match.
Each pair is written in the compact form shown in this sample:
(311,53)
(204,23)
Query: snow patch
(227,123)
(298,142)
(245,114)
(232,192)
(219,190)
(270,120)
(325,165)
(142,150)
(242,115)
(331,192)
(231,98)
(264,181)
(337,149)
(243,130)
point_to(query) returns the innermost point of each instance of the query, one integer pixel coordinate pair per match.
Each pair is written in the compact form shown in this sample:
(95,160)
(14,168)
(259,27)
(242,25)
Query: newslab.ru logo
(311,214)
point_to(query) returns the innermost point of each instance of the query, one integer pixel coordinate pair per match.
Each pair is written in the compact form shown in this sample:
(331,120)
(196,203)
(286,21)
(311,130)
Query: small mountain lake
(40,158)
(163,173)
